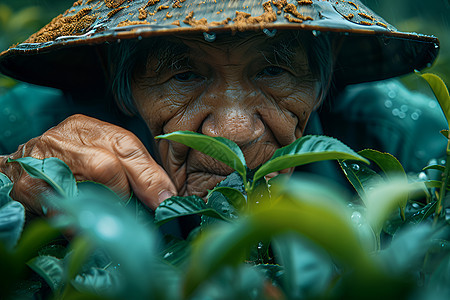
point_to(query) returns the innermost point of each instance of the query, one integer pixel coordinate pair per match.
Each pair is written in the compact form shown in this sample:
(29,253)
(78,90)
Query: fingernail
(164,194)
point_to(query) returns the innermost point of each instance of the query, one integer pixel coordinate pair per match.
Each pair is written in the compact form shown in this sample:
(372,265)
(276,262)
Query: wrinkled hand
(94,150)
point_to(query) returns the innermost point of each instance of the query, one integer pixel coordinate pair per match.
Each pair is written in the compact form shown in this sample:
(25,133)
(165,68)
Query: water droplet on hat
(270,33)
(388,103)
(209,37)
(392,94)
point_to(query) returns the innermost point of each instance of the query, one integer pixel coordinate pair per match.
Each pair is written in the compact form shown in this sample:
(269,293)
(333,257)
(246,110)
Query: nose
(234,116)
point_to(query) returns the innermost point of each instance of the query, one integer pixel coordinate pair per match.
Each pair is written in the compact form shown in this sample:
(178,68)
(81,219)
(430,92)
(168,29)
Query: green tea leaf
(50,269)
(360,176)
(82,247)
(176,207)
(219,148)
(305,150)
(440,91)
(387,163)
(236,198)
(99,281)
(12,220)
(383,200)
(435,167)
(35,235)
(5,189)
(407,250)
(53,170)
(391,168)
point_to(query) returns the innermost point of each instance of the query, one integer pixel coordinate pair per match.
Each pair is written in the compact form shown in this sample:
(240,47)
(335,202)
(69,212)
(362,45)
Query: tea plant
(298,238)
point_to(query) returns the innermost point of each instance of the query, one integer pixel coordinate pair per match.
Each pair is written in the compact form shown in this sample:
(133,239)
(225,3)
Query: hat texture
(64,54)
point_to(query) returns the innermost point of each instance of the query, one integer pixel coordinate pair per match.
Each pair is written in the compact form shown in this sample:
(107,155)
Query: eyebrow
(169,54)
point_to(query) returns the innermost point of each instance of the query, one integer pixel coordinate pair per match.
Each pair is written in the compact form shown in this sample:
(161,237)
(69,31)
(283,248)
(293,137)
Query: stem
(443,190)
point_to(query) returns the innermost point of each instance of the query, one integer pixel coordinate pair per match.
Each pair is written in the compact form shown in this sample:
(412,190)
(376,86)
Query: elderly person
(250,71)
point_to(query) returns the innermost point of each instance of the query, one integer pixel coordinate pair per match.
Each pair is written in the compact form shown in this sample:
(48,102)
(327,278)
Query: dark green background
(20,18)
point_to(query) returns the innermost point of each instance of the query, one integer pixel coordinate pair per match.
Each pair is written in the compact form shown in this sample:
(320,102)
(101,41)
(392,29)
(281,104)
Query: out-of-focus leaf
(82,247)
(242,282)
(361,177)
(5,188)
(383,200)
(175,207)
(176,252)
(35,235)
(308,268)
(111,226)
(99,281)
(435,167)
(219,148)
(440,91)
(53,170)
(407,249)
(25,18)
(305,150)
(323,224)
(12,219)
(50,269)
(5,14)
(438,287)
(391,168)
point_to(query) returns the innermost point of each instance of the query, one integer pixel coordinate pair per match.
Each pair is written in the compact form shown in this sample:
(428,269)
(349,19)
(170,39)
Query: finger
(148,179)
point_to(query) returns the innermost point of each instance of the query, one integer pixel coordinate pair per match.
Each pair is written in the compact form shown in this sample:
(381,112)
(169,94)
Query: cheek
(294,105)
(160,106)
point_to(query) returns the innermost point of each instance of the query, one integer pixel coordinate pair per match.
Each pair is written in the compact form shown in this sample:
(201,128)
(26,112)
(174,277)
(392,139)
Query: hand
(94,150)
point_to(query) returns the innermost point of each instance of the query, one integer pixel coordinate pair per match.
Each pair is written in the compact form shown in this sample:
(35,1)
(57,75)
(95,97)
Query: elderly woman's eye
(271,71)
(187,76)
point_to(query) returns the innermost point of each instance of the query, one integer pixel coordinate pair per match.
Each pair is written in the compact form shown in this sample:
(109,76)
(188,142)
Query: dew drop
(316,32)
(139,38)
(355,167)
(404,108)
(270,33)
(209,37)
(423,176)
(388,103)
(415,116)
(392,94)
(356,218)
(432,104)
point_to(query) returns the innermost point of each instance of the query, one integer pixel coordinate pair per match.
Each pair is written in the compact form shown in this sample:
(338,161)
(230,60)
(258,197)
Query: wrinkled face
(251,90)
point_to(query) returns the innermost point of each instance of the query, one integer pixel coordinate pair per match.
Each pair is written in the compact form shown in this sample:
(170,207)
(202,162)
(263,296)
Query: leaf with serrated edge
(219,148)
(307,149)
